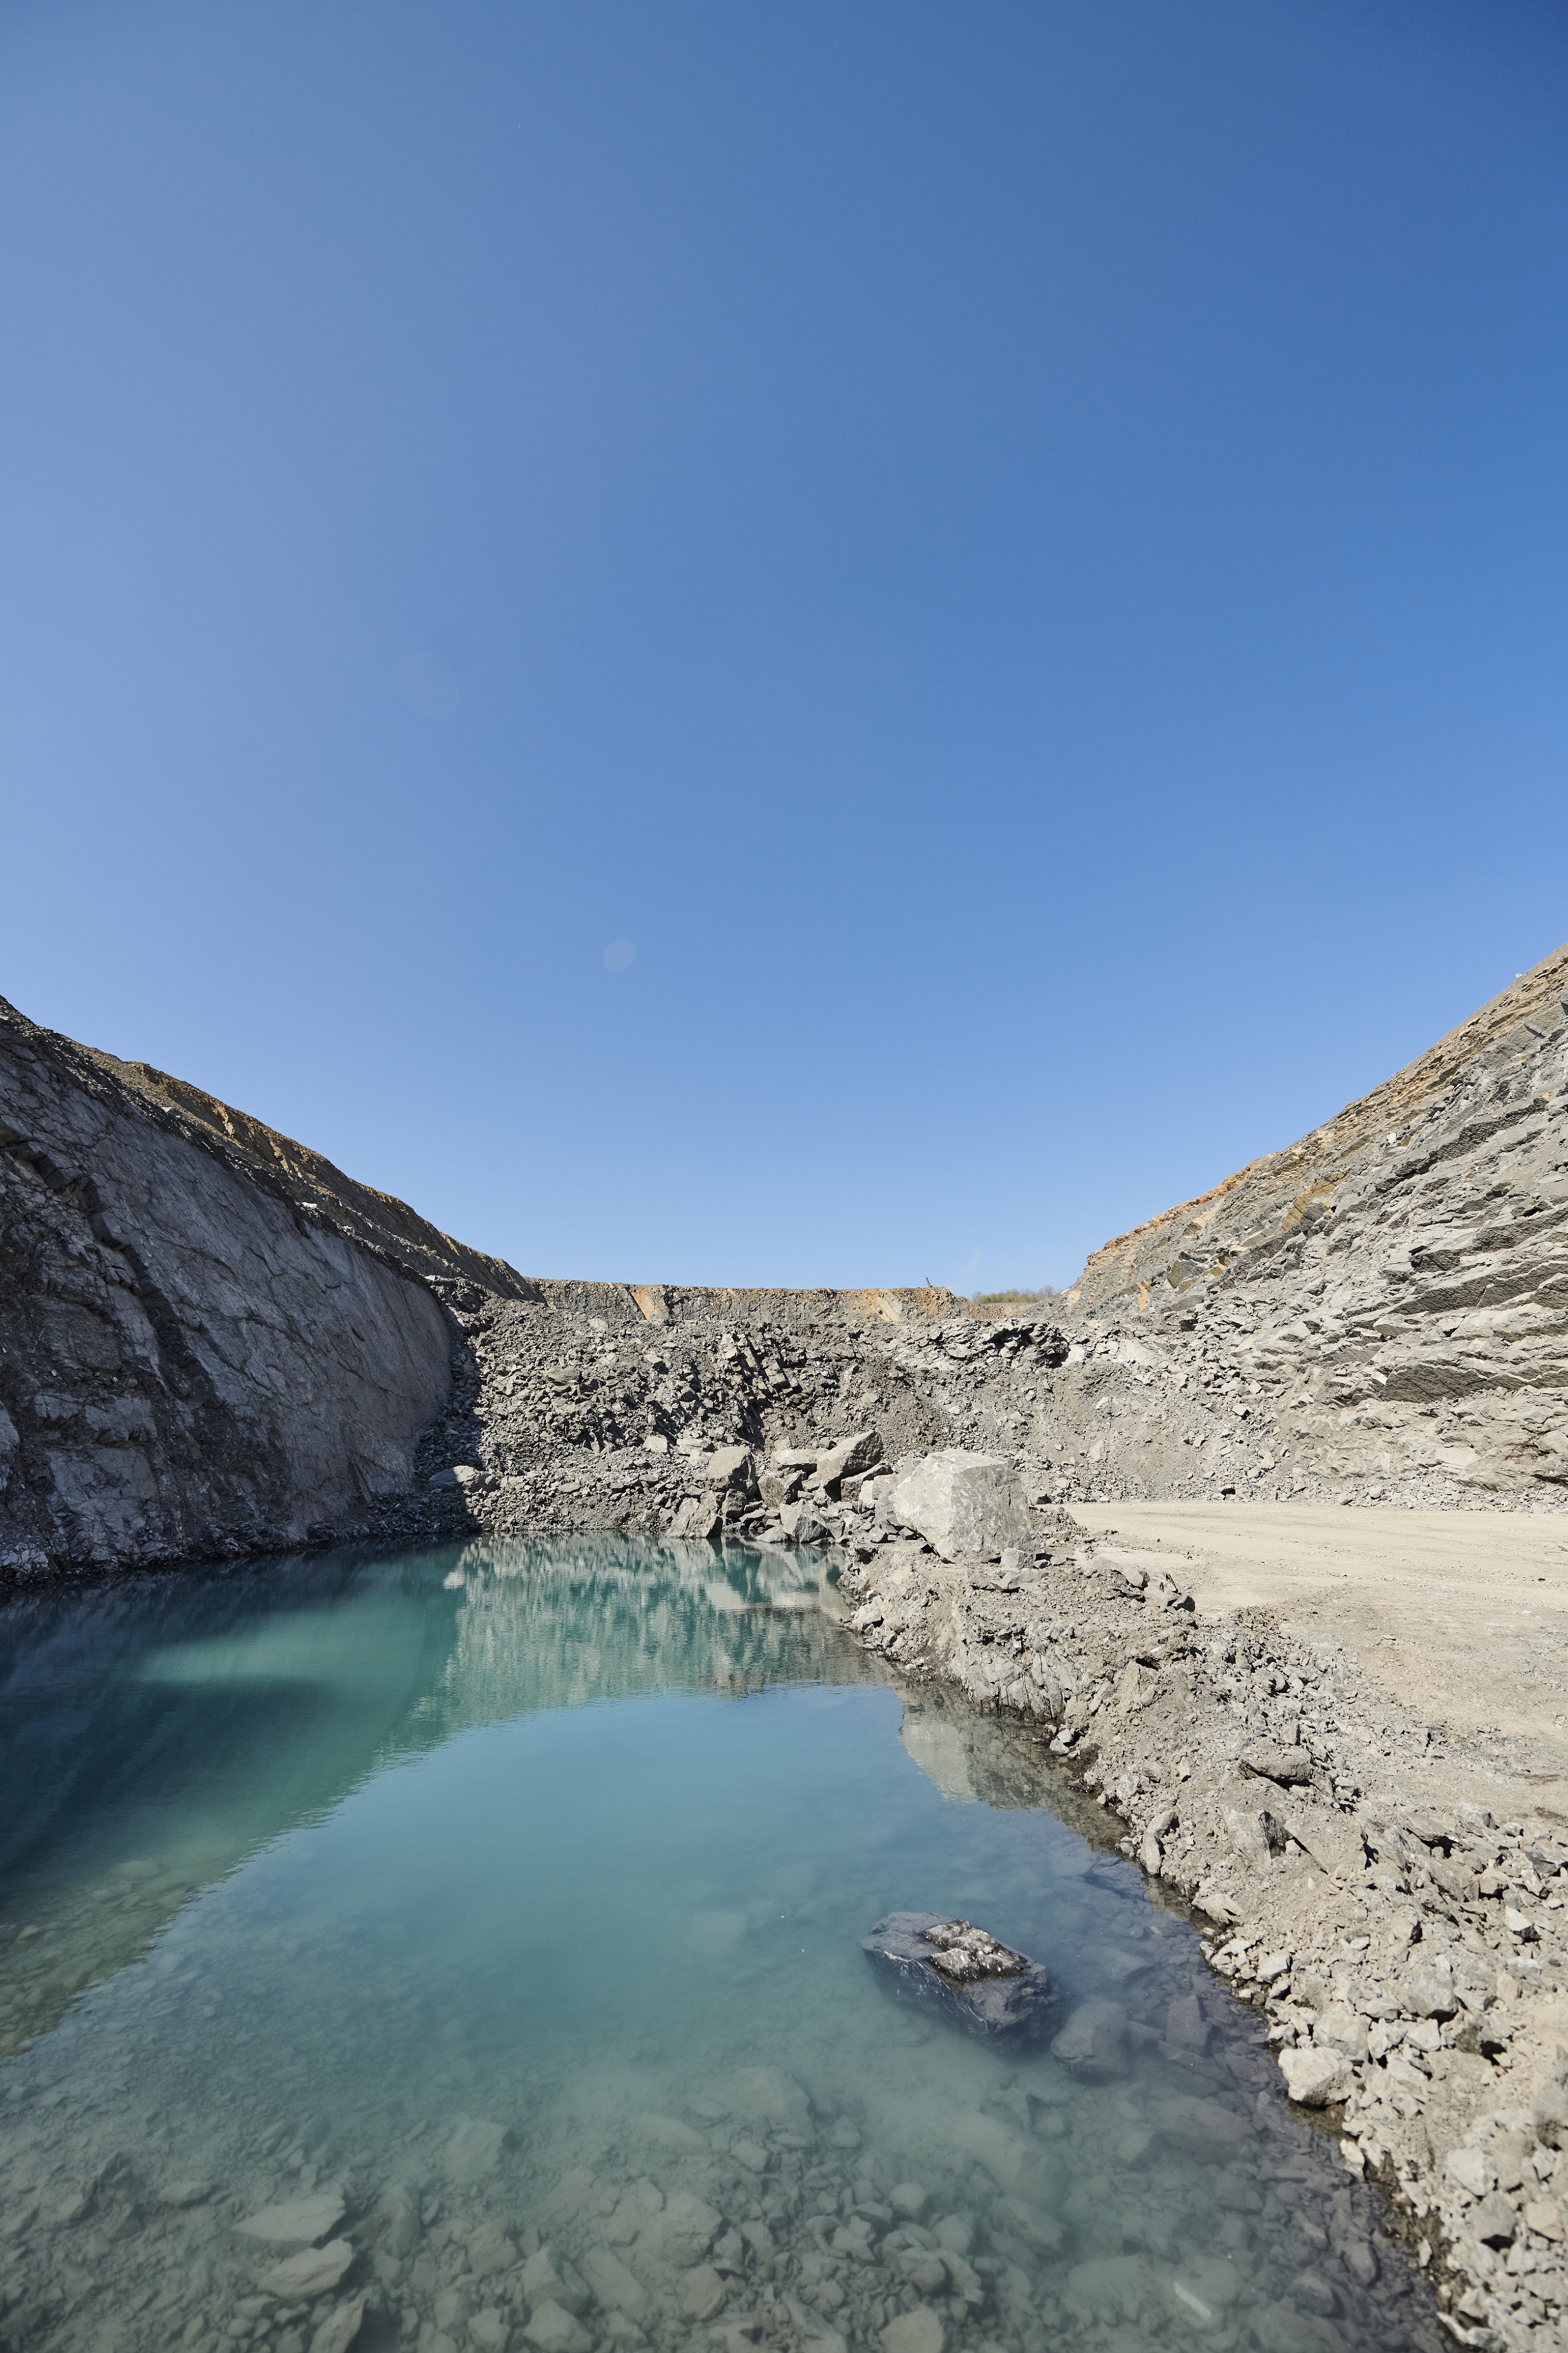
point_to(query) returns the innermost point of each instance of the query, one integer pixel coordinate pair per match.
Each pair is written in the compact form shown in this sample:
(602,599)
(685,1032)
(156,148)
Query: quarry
(1256,1539)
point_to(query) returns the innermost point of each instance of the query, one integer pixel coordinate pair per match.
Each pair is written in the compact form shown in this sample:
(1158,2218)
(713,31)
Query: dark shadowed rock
(962,1973)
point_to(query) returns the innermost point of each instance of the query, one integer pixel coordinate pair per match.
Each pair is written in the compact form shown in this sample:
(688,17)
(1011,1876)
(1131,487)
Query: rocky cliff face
(197,1355)
(215,1341)
(1381,1311)
(382,1225)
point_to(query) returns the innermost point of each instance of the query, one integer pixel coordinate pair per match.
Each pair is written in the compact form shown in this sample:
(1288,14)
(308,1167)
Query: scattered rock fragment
(490,2249)
(1289,1767)
(339,2329)
(1317,2077)
(915,2332)
(547,2279)
(299,2278)
(1093,2042)
(475,2150)
(298,2222)
(613,2287)
(553,2330)
(191,2193)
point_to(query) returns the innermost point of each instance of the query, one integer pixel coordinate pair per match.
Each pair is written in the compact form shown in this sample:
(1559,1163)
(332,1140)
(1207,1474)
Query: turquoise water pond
(507,1903)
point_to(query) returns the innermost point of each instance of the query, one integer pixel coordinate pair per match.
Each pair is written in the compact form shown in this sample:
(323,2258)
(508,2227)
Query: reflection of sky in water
(560,1832)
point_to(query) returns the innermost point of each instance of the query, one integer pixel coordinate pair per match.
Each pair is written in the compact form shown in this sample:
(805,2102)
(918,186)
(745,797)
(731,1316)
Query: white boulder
(1316,2077)
(964,1503)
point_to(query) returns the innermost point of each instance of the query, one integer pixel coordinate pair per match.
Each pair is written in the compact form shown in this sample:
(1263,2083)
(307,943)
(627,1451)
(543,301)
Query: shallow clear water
(310,1870)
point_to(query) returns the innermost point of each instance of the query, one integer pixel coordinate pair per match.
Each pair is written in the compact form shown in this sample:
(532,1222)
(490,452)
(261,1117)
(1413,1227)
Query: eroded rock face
(1379,1307)
(189,1363)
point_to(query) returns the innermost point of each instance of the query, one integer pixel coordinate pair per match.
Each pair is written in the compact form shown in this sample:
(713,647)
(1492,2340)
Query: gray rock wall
(214,1341)
(1381,1310)
(191,1363)
(1379,1313)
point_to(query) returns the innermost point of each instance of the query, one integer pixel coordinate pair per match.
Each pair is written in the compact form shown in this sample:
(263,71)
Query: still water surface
(514,1894)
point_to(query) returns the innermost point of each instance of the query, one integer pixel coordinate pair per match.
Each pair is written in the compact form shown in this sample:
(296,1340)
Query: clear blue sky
(1016,554)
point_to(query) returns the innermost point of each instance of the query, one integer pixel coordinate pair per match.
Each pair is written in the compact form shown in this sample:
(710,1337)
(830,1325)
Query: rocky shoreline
(1359,1879)
(1409,1952)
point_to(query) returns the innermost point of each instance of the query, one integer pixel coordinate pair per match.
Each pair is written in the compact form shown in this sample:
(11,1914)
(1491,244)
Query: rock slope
(196,1358)
(1380,1311)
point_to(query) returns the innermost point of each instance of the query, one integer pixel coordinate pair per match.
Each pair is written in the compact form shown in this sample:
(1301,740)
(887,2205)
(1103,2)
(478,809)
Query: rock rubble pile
(1387,1296)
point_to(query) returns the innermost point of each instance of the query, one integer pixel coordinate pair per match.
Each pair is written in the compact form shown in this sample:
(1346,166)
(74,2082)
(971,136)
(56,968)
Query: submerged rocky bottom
(507,1905)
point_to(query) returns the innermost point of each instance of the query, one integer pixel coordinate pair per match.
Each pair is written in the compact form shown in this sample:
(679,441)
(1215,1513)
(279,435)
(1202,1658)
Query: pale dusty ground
(1462,1615)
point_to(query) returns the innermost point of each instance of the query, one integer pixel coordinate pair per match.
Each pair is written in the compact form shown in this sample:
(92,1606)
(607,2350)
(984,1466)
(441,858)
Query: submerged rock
(1093,2042)
(302,2223)
(548,2281)
(554,2330)
(768,2096)
(339,2329)
(915,2332)
(962,1972)
(301,2277)
(475,2149)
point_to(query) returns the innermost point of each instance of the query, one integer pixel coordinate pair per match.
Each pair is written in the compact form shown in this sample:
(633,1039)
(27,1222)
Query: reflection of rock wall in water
(973,1759)
(153,1735)
(564,1621)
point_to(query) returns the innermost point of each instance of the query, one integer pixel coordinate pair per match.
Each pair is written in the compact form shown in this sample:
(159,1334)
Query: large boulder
(1093,2042)
(963,1503)
(858,1454)
(1317,2078)
(962,1973)
(730,1467)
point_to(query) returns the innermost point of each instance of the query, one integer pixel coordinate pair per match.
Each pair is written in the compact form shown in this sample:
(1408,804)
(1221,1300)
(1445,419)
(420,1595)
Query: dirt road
(1463,1615)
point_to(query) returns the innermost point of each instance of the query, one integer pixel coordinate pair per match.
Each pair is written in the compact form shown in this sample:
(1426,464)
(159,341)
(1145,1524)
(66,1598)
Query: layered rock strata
(1381,1309)
(193,1360)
